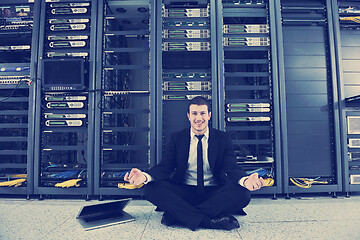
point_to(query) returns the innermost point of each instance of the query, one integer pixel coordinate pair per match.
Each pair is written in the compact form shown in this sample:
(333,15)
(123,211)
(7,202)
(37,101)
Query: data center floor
(319,217)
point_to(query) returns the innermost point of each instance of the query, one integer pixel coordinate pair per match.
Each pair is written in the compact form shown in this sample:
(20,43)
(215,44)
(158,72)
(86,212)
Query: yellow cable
(269,182)
(18,176)
(129,186)
(311,181)
(306,182)
(354,19)
(69,183)
(296,183)
(13,183)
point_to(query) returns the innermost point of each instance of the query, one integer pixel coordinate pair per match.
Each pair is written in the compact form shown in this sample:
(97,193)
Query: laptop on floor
(104,215)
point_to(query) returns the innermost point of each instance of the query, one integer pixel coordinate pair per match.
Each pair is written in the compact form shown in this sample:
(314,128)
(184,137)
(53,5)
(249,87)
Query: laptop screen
(99,209)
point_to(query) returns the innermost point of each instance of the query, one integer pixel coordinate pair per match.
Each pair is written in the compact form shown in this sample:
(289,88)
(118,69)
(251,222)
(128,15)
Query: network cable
(352,19)
(306,182)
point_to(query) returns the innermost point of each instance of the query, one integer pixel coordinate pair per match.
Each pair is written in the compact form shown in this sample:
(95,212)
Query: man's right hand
(135,177)
(253,182)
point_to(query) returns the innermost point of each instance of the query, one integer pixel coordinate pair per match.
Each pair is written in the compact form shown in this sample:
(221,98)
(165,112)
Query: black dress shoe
(168,220)
(227,222)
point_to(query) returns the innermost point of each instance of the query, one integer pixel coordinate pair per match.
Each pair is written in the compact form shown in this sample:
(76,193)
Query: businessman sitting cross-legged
(195,196)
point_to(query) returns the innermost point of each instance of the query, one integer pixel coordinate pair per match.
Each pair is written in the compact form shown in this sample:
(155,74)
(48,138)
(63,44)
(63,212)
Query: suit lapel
(212,148)
(184,149)
(187,144)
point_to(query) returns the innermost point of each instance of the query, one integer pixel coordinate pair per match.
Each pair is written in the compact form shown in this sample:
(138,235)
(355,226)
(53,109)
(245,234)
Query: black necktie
(200,166)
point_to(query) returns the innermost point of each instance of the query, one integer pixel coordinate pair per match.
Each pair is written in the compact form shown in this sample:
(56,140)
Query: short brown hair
(199,100)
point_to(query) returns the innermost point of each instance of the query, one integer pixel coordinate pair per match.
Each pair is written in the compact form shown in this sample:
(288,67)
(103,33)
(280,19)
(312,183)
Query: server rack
(187,64)
(308,90)
(346,15)
(18,51)
(248,91)
(125,92)
(65,99)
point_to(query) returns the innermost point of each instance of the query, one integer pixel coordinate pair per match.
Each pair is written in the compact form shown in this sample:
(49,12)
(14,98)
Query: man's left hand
(253,182)
(135,177)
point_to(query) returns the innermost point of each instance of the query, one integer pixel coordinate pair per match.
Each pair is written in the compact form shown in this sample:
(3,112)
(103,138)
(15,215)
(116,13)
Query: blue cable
(52,165)
(81,172)
(121,174)
(66,174)
(261,171)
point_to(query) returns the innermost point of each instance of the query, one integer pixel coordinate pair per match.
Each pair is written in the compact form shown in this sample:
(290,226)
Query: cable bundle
(66,174)
(306,182)
(69,183)
(261,171)
(13,183)
(121,174)
(352,19)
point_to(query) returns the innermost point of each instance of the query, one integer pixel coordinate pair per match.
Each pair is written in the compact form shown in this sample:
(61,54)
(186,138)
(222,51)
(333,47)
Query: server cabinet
(310,126)
(18,51)
(352,145)
(125,106)
(65,98)
(187,64)
(248,99)
(346,19)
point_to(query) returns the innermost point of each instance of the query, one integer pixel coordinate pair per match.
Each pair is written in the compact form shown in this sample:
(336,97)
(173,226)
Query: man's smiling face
(199,117)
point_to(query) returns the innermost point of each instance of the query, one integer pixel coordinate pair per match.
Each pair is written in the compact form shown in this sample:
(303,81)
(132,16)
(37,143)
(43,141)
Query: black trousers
(188,207)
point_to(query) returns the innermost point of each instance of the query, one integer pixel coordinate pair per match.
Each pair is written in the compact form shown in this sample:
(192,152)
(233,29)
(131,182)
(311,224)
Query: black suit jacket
(220,155)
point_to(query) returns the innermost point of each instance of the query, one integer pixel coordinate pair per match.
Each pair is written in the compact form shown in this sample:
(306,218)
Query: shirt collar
(206,133)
